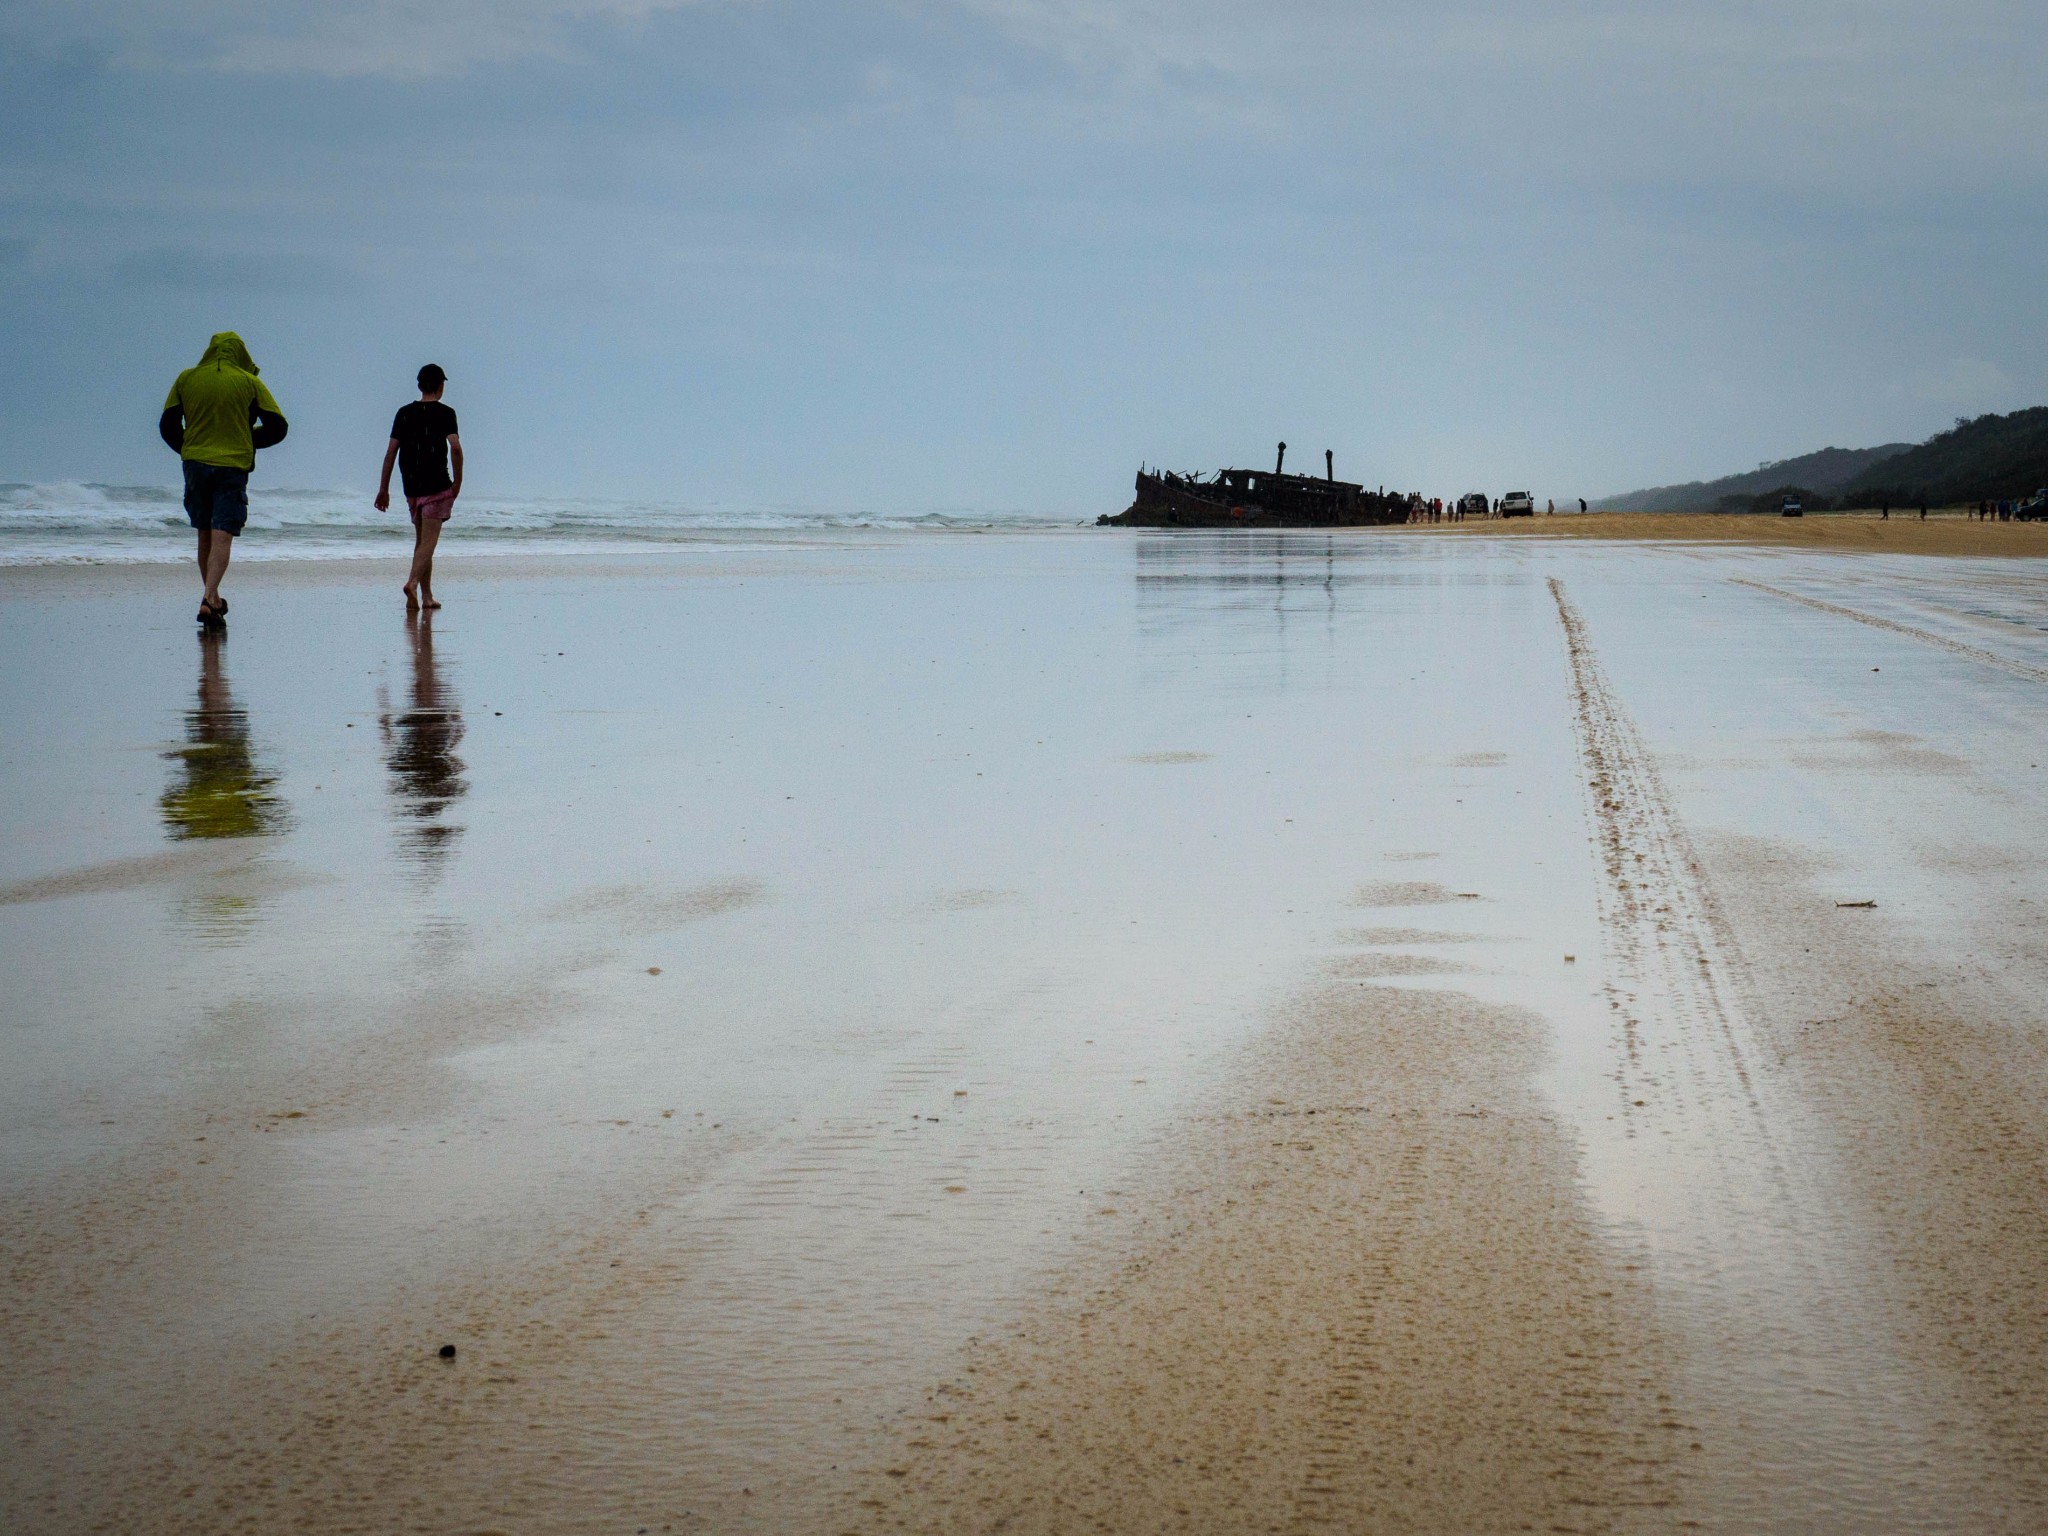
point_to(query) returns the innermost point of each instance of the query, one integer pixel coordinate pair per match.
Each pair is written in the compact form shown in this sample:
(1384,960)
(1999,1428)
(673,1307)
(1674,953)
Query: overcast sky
(991,254)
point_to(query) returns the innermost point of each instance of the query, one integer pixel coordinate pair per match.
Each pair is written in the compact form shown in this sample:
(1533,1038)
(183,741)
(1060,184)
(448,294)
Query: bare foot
(429,600)
(412,601)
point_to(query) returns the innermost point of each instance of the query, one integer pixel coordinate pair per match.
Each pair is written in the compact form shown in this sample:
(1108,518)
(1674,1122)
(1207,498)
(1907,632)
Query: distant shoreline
(1949,531)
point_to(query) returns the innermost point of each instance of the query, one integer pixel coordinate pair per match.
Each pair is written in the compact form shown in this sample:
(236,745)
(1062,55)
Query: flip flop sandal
(213,618)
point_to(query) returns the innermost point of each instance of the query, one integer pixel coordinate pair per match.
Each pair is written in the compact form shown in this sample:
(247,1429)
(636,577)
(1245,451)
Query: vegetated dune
(1988,457)
(1826,471)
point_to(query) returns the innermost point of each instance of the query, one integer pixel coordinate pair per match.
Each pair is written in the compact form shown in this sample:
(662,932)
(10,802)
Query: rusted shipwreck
(1251,498)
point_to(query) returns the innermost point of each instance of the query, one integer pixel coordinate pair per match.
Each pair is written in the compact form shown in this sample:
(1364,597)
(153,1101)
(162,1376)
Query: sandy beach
(1948,531)
(1039,1032)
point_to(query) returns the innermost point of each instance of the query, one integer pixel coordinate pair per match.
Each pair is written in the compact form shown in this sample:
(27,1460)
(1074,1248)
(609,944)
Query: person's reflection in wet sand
(419,749)
(220,789)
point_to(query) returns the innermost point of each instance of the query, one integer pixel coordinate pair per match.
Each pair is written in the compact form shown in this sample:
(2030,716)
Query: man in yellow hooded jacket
(215,418)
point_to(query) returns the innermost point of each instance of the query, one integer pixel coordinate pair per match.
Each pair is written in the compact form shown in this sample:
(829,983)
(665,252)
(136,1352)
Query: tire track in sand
(1772,1293)
(1975,653)
(1363,1288)
(1666,939)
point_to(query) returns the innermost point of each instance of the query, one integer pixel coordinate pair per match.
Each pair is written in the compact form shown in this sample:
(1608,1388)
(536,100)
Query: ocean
(87,523)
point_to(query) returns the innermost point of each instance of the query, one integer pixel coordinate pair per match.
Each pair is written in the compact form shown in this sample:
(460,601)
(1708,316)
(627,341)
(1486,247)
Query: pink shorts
(435,508)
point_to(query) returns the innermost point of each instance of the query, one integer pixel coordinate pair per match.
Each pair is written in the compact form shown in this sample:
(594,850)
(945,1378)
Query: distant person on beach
(215,418)
(423,443)
(1582,504)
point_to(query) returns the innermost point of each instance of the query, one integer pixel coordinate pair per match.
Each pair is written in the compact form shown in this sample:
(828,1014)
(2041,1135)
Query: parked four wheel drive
(1792,508)
(1474,505)
(1518,504)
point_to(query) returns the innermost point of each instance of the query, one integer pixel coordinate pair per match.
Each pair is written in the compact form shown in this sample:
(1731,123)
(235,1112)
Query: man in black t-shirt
(423,444)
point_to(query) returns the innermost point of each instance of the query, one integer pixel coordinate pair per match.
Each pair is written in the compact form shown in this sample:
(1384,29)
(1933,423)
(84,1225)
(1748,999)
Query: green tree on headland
(1989,458)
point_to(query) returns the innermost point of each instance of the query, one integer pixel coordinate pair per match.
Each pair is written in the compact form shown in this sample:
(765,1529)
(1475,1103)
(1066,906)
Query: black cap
(431,376)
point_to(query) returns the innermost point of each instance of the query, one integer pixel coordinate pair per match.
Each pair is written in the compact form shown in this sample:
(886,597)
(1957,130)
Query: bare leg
(419,587)
(219,548)
(205,552)
(412,577)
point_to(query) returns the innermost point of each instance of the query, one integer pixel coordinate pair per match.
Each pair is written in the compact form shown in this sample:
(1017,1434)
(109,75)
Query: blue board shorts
(216,497)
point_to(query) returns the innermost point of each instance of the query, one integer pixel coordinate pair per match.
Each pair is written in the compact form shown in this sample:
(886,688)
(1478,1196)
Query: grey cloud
(928,245)
(1869,92)
(1961,381)
(335,38)
(193,269)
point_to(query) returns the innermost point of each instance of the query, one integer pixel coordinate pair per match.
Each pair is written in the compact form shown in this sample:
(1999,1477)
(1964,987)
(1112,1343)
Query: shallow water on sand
(709,990)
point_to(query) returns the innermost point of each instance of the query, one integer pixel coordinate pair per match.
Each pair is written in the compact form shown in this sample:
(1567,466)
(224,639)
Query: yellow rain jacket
(220,401)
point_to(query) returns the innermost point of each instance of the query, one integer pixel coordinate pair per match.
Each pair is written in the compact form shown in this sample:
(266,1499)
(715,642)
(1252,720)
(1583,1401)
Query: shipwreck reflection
(1243,608)
(1273,611)
(419,751)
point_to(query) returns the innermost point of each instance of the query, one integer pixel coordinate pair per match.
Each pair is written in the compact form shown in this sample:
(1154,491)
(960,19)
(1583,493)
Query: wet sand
(1366,1293)
(1032,1033)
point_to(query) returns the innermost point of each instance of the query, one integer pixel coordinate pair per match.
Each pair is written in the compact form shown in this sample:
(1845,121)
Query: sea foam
(80,521)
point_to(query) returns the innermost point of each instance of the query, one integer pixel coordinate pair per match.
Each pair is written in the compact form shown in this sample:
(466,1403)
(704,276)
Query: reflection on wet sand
(1130,1124)
(419,749)
(1275,602)
(221,790)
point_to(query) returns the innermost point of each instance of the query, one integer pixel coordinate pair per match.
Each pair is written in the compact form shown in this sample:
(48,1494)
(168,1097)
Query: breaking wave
(80,522)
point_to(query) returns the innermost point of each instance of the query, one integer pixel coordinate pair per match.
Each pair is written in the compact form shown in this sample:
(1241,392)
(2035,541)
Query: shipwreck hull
(1241,498)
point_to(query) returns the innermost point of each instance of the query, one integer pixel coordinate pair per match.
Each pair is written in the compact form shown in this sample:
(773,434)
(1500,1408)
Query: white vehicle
(1518,504)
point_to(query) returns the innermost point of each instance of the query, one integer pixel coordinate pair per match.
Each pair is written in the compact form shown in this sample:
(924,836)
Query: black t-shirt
(422,430)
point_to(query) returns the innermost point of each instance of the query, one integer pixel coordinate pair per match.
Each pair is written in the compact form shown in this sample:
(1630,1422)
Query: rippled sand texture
(1032,1033)
(1931,1078)
(1367,1293)
(1917,1020)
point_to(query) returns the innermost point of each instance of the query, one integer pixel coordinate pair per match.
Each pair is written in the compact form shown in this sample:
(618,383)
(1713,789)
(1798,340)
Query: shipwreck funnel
(1329,466)
(1280,458)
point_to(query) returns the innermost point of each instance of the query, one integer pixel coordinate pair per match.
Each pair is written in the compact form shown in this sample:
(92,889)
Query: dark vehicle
(1475,505)
(1792,507)
(2034,509)
(1518,504)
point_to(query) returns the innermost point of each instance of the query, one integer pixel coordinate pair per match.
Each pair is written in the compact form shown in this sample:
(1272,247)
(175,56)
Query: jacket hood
(226,347)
